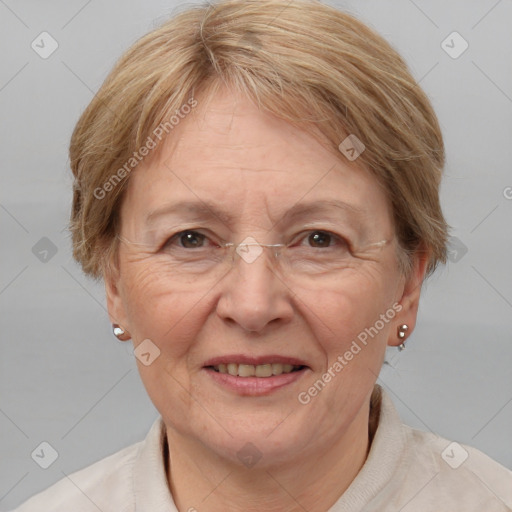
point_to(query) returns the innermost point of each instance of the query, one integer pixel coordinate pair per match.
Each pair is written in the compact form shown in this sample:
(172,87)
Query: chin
(260,437)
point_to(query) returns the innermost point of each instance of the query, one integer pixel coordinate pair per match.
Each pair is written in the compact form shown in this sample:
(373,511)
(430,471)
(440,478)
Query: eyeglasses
(191,256)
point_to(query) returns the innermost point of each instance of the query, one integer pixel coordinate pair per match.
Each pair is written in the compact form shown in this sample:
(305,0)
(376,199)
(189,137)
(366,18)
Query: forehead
(229,153)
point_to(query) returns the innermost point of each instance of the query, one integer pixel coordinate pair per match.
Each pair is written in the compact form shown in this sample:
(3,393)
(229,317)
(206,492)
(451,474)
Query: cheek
(345,311)
(156,311)
(343,320)
(171,321)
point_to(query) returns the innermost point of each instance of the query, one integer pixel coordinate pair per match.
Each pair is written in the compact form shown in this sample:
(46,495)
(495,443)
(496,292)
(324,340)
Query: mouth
(250,376)
(260,370)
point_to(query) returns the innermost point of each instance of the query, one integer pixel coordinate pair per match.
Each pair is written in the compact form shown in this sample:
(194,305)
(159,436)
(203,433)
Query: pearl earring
(120,333)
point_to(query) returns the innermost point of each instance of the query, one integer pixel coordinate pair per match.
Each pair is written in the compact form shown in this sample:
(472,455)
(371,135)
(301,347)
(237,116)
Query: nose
(253,294)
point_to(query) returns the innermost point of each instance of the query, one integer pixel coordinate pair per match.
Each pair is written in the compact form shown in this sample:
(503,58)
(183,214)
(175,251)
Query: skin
(256,167)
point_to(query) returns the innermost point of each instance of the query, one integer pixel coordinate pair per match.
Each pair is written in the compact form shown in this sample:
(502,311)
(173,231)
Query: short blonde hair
(305,62)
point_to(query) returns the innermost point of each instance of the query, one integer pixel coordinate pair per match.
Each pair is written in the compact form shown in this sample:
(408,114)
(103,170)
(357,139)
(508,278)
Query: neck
(201,480)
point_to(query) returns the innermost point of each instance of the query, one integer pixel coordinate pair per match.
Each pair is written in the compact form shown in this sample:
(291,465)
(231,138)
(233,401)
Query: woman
(258,185)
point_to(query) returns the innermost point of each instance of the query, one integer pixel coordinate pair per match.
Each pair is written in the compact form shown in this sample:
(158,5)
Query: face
(258,315)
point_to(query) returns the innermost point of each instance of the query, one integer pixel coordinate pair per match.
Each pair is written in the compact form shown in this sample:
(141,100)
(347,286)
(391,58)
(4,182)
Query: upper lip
(254,360)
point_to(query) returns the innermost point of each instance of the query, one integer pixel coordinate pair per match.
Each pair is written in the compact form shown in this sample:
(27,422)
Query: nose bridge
(249,250)
(255,265)
(254,295)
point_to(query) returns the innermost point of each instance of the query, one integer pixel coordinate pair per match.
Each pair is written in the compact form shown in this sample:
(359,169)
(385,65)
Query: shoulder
(454,475)
(105,485)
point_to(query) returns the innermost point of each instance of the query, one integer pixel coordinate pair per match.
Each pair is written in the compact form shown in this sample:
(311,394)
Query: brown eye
(319,239)
(191,239)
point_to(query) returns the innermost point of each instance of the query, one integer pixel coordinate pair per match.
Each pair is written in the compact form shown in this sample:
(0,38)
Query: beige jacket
(407,470)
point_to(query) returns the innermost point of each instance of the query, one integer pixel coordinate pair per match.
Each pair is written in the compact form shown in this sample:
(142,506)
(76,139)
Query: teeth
(246,370)
(277,369)
(263,370)
(251,370)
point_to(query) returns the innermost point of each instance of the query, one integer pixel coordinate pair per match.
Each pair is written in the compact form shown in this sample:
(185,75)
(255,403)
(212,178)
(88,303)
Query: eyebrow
(204,210)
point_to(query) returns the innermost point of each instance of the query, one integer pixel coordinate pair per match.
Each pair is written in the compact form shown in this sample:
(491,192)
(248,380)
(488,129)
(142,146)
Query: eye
(319,239)
(322,239)
(186,240)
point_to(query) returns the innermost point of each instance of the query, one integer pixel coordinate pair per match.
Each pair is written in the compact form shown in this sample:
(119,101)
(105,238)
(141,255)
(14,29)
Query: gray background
(63,377)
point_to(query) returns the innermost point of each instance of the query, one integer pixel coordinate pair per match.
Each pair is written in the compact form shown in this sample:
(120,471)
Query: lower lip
(255,386)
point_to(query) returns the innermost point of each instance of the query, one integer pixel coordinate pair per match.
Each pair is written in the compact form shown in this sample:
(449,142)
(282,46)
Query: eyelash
(178,235)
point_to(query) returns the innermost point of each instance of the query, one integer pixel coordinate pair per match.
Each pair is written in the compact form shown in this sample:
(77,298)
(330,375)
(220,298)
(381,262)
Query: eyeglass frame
(254,242)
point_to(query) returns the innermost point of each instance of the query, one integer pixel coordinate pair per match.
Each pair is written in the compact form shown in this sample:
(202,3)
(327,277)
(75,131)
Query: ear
(115,302)
(410,297)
